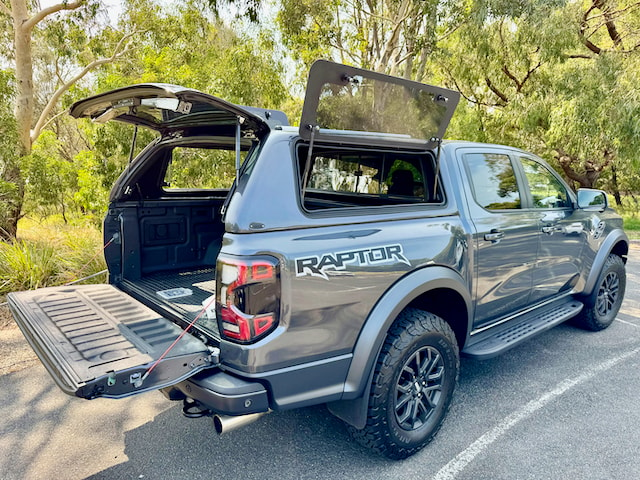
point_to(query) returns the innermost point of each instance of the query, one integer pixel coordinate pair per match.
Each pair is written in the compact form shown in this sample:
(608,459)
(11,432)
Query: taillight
(247,296)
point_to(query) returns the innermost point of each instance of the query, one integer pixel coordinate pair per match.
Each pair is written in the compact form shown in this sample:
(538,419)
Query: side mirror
(590,199)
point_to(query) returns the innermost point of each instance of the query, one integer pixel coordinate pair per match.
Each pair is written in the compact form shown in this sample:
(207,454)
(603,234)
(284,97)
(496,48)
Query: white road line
(627,323)
(464,458)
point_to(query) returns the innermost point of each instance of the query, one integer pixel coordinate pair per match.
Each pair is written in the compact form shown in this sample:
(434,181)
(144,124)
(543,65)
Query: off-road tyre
(602,306)
(395,429)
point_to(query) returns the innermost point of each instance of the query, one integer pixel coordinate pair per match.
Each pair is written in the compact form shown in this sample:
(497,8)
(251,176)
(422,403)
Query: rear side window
(493,181)
(333,179)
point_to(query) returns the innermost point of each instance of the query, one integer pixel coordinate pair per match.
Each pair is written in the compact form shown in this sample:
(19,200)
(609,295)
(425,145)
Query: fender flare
(614,237)
(353,406)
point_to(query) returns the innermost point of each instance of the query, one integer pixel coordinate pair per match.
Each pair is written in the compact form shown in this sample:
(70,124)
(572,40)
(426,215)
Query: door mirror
(590,199)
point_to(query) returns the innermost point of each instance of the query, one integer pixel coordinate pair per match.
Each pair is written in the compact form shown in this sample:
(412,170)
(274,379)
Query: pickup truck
(351,262)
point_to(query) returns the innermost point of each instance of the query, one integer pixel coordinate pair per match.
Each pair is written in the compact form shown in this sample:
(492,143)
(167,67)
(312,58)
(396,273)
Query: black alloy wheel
(412,387)
(419,388)
(602,305)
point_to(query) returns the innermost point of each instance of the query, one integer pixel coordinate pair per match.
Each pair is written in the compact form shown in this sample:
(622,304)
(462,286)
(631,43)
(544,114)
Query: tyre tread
(411,324)
(588,318)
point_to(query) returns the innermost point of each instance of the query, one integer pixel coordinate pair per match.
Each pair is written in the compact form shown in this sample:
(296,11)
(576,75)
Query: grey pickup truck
(352,261)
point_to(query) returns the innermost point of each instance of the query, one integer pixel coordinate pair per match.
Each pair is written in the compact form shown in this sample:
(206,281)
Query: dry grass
(49,254)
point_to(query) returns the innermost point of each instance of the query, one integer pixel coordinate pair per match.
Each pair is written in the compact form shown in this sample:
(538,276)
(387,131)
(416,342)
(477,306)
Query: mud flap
(97,341)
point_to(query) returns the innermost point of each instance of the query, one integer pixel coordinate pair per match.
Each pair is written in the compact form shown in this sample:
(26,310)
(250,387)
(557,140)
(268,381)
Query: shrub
(48,255)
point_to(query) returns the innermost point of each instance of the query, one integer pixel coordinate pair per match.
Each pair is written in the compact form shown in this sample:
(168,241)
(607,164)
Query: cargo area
(167,255)
(180,294)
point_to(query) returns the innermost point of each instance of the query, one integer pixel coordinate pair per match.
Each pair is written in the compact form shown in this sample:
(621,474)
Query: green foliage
(74,164)
(549,76)
(184,46)
(48,176)
(50,255)
(91,195)
(631,223)
(529,78)
(26,265)
(201,168)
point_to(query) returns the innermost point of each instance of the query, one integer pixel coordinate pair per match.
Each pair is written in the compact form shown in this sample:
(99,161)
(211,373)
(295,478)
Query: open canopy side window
(344,103)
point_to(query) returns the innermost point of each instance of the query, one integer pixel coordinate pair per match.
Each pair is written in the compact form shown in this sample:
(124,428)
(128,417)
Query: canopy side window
(350,178)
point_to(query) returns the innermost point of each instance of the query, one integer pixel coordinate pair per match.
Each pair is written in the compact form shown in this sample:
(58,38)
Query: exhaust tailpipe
(227,423)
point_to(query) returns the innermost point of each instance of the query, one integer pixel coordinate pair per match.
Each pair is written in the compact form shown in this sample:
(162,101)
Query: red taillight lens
(247,296)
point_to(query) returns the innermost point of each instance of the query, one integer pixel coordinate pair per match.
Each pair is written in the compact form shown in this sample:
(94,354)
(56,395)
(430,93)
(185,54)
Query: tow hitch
(194,409)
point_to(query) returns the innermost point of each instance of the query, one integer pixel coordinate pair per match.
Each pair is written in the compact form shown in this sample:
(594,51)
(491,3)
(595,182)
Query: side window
(354,179)
(493,181)
(546,189)
(346,174)
(200,168)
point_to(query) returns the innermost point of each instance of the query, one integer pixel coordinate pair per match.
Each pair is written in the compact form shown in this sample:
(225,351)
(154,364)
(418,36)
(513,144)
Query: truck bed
(164,290)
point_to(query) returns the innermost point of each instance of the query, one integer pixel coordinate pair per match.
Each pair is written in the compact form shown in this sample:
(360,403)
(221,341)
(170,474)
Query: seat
(401,183)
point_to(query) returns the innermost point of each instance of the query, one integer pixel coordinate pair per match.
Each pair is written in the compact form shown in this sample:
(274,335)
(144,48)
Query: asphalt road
(564,405)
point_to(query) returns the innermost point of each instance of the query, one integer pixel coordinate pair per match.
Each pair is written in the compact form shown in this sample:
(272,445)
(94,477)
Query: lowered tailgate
(97,341)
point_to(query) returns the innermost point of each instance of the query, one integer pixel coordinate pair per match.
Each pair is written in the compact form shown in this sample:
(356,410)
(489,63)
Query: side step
(503,337)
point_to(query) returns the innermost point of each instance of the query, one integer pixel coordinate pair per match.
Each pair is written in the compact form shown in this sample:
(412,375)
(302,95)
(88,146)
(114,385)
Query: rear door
(96,341)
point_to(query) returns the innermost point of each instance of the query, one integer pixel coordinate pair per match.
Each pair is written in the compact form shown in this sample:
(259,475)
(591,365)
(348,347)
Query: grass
(49,253)
(632,226)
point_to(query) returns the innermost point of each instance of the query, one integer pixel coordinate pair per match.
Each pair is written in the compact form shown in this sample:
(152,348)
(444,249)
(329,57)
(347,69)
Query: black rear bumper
(224,394)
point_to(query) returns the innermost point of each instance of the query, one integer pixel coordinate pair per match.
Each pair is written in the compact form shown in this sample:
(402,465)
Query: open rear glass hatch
(164,107)
(97,341)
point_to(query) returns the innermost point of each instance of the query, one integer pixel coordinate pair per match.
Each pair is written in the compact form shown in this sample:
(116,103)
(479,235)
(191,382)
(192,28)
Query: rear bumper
(225,394)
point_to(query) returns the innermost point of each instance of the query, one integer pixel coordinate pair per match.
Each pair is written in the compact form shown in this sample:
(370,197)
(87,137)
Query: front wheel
(602,306)
(413,384)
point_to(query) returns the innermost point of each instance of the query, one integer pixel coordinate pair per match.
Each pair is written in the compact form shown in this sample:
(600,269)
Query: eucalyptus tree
(61,53)
(186,44)
(557,77)
(391,36)
(59,38)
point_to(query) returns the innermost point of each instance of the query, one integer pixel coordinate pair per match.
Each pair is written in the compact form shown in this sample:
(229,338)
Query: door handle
(494,236)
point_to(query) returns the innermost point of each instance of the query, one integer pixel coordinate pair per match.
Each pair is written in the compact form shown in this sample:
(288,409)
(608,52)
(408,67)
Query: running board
(501,338)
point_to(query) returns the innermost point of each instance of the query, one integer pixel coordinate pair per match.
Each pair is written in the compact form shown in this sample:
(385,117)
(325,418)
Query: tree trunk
(590,171)
(23,114)
(24,75)
(615,187)
(9,225)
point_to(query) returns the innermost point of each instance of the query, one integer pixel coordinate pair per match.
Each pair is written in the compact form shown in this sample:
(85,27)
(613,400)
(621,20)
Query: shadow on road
(305,443)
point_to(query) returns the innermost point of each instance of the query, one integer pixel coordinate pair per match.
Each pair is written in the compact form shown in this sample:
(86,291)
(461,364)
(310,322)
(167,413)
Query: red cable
(193,322)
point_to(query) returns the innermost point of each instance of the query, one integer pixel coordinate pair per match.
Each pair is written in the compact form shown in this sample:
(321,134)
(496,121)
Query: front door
(562,232)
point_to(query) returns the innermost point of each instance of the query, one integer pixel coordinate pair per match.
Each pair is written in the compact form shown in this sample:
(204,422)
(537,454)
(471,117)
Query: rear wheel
(602,306)
(412,386)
